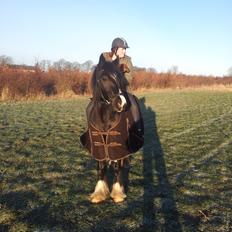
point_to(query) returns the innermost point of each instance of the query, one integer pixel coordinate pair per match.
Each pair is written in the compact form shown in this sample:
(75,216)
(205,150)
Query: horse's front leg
(118,191)
(101,192)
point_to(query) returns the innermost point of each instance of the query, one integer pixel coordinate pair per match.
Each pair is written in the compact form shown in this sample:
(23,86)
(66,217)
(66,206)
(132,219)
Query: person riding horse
(115,127)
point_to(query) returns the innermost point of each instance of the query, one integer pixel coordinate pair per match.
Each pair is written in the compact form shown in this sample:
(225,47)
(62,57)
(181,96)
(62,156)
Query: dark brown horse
(115,129)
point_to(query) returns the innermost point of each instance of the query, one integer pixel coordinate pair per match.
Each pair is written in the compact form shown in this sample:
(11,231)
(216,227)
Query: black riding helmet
(119,43)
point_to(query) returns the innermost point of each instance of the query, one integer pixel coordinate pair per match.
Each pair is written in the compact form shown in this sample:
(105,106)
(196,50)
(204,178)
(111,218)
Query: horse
(115,130)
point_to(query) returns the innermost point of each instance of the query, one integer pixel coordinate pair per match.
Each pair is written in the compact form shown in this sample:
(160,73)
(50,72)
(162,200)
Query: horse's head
(108,88)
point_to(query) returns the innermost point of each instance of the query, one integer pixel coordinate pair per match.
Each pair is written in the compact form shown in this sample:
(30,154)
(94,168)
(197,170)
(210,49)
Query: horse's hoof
(118,199)
(101,192)
(117,193)
(97,199)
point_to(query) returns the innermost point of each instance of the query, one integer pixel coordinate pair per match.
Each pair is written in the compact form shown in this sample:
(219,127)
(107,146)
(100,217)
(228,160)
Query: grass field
(180,181)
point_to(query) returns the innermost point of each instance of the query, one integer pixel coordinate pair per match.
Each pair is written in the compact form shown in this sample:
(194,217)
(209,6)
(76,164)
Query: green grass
(180,181)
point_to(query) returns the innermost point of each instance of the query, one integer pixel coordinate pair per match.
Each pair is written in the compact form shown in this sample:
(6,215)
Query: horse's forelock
(107,69)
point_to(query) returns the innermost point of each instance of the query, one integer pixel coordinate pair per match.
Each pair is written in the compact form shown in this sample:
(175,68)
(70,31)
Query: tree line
(67,79)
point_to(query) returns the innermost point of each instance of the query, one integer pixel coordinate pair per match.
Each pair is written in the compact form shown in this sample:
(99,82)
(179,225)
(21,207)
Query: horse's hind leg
(118,192)
(101,191)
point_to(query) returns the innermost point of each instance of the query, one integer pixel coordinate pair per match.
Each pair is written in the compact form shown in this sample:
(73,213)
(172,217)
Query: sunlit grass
(180,181)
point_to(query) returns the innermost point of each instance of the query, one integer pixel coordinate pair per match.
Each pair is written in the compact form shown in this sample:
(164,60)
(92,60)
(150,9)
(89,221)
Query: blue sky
(195,35)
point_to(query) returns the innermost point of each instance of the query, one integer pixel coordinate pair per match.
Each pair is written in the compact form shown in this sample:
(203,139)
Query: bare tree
(4,60)
(173,69)
(62,64)
(44,65)
(151,70)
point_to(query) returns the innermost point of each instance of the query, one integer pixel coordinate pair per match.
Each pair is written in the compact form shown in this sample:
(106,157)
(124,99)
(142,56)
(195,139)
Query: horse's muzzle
(119,103)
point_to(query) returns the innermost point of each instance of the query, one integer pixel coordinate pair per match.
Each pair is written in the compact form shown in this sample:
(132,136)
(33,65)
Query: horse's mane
(107,68)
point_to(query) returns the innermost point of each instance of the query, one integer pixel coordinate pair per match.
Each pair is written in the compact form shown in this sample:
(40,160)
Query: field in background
(180,181)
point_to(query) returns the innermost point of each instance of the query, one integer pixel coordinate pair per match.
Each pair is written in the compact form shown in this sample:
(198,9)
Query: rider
(118,57)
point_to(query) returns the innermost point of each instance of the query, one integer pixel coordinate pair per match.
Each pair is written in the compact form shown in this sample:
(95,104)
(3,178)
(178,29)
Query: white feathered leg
(118,193)
(101,192)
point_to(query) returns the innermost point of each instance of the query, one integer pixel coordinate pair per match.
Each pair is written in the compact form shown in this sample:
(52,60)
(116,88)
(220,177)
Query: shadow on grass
(18,200)
(43,215)
(156,184)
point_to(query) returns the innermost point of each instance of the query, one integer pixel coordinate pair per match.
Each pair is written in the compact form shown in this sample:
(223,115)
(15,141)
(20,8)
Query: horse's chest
(111,144)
